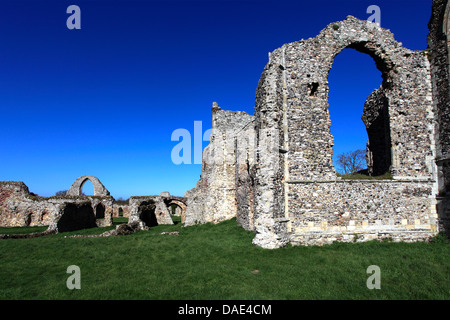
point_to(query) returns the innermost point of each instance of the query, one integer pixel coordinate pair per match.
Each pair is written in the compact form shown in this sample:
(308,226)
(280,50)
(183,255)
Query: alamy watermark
(228,146)
(182,152)
(376,14)
(374,281)
(74,20)
(74,281)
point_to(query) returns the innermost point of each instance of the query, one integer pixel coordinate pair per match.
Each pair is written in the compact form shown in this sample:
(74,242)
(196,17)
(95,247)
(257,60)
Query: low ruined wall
(349,210)
(20,208)
(148,211)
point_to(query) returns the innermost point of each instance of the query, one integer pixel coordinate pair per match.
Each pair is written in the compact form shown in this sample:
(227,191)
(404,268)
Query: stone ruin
(75,211)
(273,171)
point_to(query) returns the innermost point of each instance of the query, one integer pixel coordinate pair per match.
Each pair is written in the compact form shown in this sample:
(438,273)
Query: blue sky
(105,99)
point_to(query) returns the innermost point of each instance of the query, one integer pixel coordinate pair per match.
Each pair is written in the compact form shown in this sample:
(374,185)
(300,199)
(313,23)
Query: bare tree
(351,162)
(61,193)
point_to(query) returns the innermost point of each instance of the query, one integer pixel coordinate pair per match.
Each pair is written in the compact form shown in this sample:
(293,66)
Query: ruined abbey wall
(74,211)
(439,51)
(295,106)
(285,185)
(20,208)
(214,197)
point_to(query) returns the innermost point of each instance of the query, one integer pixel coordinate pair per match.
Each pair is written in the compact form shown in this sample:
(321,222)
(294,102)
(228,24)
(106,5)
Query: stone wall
(345,210)
(125,210)
(214,197)
(245,166)
(76,188)
(149,211)
(438,53)
(292,106)
(19,208)
(283,184)
(376,119)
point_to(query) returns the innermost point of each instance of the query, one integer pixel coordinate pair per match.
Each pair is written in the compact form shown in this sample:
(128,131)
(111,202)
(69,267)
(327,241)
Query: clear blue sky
(104,100)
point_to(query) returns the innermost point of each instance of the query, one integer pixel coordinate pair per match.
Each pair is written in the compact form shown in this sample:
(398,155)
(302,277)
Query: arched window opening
(100,211)
(359,115)
(87,188)
(175,213)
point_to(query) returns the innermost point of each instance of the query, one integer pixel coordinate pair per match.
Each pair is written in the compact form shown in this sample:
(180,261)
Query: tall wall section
(214,197)
(439,42)
(298,196)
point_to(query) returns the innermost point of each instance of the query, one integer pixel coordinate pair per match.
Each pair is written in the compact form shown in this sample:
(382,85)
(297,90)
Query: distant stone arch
(179,204)
(77,186)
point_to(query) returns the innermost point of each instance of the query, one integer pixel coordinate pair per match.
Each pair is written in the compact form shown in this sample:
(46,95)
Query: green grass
(176,219)
(216,262)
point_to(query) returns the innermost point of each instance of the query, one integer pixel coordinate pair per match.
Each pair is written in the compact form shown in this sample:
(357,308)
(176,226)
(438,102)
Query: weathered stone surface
(77,186)
(284,186)
(121,208)
(18,208)
(438,54)
(150,211)
(214,197)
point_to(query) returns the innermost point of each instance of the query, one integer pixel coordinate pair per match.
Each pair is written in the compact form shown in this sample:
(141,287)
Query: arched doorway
(76,217)
(177,210)
(100,211)
(146,213)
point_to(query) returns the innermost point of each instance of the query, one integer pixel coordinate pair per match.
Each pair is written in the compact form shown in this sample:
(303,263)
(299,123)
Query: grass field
(211,262)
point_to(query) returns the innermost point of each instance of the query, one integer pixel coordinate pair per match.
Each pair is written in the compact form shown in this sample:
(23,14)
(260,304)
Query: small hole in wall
(313,89)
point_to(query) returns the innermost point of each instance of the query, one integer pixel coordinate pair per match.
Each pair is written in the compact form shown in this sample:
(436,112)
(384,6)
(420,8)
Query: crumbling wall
(438,54)
(376,119)
(19,208)
(285,186)
(77,186)
(125,210)
(292,100)
(245,168)
(148,211)
(214,197)
(361,210)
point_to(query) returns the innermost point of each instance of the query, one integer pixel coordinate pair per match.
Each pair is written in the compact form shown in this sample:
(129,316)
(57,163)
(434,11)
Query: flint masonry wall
(376,119)
(149,211)
(323,212)
(19,208)
(294,106)
(285,186)
(214,197)
(438,54)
